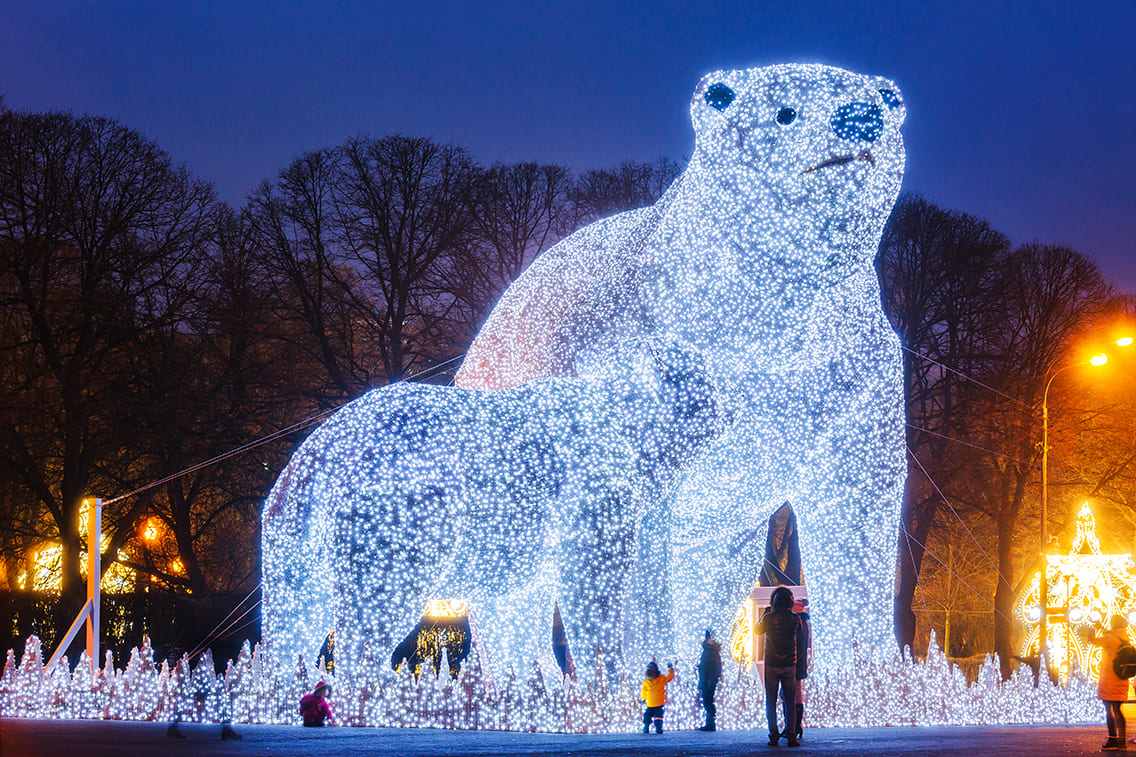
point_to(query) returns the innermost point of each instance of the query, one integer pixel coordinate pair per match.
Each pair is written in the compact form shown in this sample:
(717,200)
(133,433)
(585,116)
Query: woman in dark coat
(709,673)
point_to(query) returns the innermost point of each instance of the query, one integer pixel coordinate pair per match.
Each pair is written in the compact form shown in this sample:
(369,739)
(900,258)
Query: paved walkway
(77,738)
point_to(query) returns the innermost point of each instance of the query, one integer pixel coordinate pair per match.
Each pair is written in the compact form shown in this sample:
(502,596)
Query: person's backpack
(1124,665)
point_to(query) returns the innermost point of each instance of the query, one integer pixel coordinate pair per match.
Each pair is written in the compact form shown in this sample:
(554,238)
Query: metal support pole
(94,582)
(1043,587)
(89,613)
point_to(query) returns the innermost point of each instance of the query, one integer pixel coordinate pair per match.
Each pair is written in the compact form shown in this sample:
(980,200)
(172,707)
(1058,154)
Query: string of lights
(970,533)
(761,256)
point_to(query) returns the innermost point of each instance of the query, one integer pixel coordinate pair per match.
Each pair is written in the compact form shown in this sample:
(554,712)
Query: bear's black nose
(858,122)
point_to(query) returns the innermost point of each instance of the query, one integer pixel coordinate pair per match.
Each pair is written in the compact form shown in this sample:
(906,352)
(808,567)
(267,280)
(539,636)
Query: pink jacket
(314,710)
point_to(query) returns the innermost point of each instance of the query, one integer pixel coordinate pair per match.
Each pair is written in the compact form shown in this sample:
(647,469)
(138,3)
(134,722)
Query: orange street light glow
(1099,359)
(1124,342)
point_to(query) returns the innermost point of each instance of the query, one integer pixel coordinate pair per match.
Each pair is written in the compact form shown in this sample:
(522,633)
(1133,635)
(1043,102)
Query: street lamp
(1043,586)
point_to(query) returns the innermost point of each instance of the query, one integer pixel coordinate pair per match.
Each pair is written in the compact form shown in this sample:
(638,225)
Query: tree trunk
(1004,596)
(916,522)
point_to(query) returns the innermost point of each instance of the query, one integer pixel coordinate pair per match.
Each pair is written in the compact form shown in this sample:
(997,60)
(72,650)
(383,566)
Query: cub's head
(811,146)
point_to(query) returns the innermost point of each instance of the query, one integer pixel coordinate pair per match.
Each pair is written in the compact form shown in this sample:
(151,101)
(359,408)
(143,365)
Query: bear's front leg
(594,558)
(387,545)
(848,537)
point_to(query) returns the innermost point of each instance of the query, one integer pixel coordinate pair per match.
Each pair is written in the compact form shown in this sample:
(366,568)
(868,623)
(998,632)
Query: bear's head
(809,152)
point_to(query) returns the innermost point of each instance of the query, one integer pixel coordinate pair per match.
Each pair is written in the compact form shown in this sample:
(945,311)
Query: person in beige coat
(1111,688)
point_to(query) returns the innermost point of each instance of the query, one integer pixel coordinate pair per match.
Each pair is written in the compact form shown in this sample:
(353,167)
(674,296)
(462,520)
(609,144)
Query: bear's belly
(501,548)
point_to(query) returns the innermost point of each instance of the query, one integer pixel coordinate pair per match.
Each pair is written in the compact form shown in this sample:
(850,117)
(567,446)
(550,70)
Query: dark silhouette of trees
(293,222)
(406,204)
(355,237)
(1049,296)
(517,212)
(210,383)
(984,326)
(100,235)
(630,185)
(939,277)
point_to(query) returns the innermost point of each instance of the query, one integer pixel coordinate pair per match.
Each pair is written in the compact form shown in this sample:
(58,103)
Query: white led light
(753,280)
(509,501)
(761,256)
(880,691)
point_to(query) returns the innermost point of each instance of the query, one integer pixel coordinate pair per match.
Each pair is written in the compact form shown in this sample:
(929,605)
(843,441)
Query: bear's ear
(713,91)
(719,96)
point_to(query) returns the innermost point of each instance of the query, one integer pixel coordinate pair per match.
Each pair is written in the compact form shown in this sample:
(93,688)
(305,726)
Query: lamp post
(1043,584)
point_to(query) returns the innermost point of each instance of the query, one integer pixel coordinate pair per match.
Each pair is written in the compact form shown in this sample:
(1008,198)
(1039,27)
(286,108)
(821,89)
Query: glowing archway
(1085,588)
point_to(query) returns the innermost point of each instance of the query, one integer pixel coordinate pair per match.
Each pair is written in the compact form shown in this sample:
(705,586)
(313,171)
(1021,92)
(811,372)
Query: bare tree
(603,192)
(403,204)
(956,589)
(355,237)
(1047,297)
(213,382)
(99,239)
(518,211)
(937,270)
(294,224)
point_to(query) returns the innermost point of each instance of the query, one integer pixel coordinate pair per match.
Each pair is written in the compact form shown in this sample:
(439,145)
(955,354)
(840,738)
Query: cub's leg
(387,544)
(595,558)
(516,630)
(297,603)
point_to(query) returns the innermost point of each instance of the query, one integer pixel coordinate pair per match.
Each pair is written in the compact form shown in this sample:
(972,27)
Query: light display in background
(760,256)
(877,691)
(741,633)
(509,500)
(44,564)
(1086,588)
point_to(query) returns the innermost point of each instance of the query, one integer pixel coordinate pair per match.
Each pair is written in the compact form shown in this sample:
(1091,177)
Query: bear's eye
(719,96)
(786,116)
(891,98)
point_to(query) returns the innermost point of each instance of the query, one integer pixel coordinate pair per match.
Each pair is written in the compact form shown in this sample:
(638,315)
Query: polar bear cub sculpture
(513,500)
(761,256)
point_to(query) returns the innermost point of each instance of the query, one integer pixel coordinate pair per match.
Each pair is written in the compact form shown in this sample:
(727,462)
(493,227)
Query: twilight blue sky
(1024,113)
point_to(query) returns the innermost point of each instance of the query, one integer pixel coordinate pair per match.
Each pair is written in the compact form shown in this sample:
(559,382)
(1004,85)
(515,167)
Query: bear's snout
(858,122)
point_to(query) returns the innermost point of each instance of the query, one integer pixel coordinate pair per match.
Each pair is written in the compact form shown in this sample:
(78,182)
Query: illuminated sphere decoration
(509,500)
(760,255)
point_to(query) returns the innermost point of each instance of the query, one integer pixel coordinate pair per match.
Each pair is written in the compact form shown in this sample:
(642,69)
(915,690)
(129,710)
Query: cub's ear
(676,359)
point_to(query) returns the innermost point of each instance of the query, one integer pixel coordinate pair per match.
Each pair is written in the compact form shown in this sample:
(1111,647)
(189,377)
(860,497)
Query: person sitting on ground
(315,708)
(654,693)
(1111,688)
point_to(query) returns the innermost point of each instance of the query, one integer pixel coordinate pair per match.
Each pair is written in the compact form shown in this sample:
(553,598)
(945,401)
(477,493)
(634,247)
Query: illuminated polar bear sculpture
(761,256)
(511,500)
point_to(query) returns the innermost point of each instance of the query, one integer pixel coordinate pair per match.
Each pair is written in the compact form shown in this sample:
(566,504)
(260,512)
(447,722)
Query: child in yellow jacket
(654,693)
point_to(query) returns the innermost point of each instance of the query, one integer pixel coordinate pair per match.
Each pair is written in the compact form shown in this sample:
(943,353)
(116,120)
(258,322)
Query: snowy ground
(125,739)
